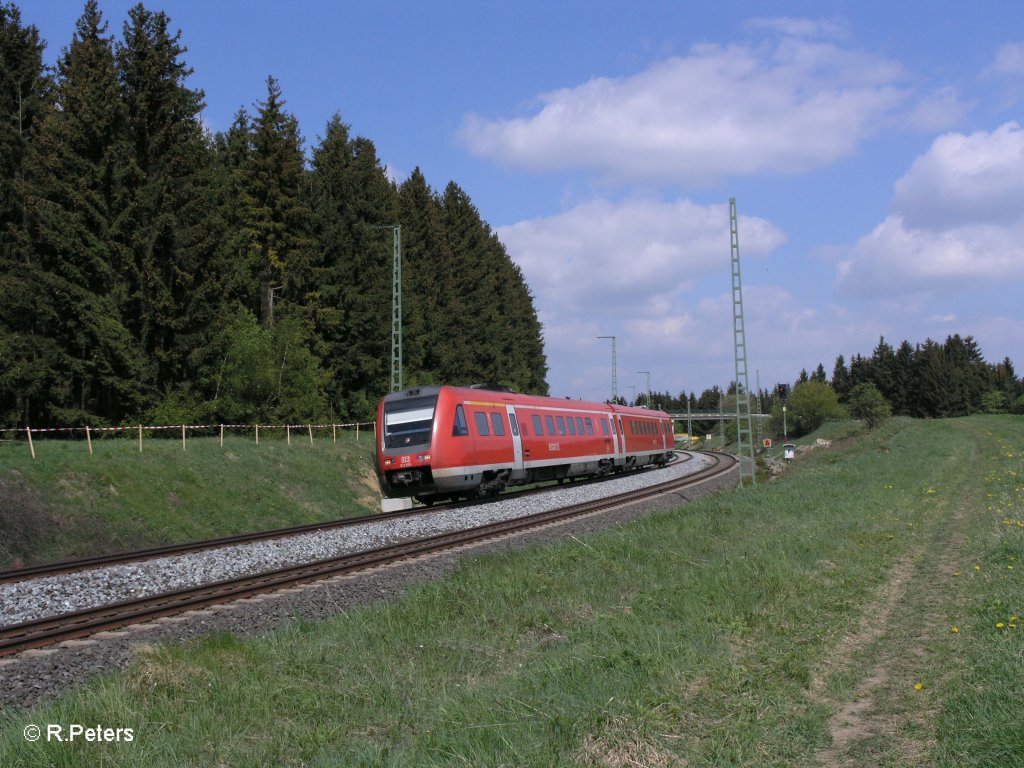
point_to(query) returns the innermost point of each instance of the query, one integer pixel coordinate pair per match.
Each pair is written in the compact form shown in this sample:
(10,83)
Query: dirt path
(882,718)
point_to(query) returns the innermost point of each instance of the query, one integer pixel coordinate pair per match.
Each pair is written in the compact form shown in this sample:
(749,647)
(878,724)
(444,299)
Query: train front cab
(405,429)
(433,446)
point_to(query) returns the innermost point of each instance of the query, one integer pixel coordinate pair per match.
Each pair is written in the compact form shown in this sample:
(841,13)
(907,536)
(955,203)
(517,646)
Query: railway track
(48,631)
(169,550)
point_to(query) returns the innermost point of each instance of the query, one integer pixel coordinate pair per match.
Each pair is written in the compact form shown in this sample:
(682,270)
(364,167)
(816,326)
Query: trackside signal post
(615,387)
(744,433)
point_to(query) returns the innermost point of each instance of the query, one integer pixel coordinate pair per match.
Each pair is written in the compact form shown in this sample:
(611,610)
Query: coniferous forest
(151,270)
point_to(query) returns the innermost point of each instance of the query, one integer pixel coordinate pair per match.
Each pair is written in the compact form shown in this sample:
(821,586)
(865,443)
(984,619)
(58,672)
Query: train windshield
(408,422)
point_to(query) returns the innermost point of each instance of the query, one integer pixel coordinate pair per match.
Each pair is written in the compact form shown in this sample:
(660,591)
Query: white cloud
(1010,59)
(957,217)
(617,258)
(629,269)
(798,27)
(965,179)
(896,259)
(786,106)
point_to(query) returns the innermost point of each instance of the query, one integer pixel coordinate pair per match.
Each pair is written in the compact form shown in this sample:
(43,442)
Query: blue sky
(875,149)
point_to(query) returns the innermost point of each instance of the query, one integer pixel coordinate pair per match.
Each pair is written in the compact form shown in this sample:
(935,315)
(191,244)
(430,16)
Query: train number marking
(554,447)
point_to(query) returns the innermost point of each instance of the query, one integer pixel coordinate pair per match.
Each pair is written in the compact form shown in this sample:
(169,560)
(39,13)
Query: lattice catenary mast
(744,433)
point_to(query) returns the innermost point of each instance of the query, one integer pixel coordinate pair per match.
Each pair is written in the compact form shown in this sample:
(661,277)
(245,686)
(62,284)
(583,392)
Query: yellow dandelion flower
(1009,567)
(1013,626)
(1000,625)
(918,686)
(956,573)
(956,630)
(977,567)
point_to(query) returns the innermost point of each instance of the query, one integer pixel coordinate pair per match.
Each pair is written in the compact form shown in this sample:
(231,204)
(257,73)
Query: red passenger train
(445,442)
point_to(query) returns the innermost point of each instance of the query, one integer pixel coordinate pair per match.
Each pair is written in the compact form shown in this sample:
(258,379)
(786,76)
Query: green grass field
(865,609)
(66,503)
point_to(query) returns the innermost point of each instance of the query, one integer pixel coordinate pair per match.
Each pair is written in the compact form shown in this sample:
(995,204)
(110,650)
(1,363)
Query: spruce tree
(935,395)
(26,373)
(351,200)
(75,199)
(841,379)
(172,290)
(23,100)
(277,219)
(902,383)
(883,369)
(426,272)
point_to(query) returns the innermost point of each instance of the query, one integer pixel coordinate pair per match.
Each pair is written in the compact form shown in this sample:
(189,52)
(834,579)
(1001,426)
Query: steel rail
(169,550)
(48,631)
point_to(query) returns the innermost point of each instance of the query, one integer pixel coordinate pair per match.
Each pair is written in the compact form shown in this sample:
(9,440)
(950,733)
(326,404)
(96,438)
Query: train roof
(472,393)
(505,394)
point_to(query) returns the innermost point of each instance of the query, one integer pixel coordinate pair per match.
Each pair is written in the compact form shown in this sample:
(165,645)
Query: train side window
(481,424)
(580,429)
(604,427)
(572,427)
(561,425)
(613,427)
(590,426)
(460,428)
(537,428)
(550,422)
(632,427)
(499,424)
(513,422)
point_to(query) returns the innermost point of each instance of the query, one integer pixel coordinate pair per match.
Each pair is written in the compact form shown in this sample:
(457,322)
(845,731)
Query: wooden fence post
(183,437)
(310,433)
(140,438)
(334,432)
(357,431)
(221,435)
(257,434)
(30,446)
(288,429)
(88,439)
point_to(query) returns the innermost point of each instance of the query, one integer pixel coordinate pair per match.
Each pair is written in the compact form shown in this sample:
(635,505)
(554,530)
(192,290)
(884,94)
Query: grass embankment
(66,503)
(805,622)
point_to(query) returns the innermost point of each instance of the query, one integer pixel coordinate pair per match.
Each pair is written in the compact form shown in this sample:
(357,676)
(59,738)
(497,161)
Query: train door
(618,440)
(518,470)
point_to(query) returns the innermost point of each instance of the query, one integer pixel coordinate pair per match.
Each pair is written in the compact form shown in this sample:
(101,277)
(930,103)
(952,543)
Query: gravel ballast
(36,676)
(53,595)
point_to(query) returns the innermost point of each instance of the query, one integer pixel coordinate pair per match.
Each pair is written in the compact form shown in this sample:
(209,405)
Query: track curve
(47,631)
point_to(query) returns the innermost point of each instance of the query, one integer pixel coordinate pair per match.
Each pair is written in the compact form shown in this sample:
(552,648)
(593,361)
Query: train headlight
(423,457)
(388,462)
